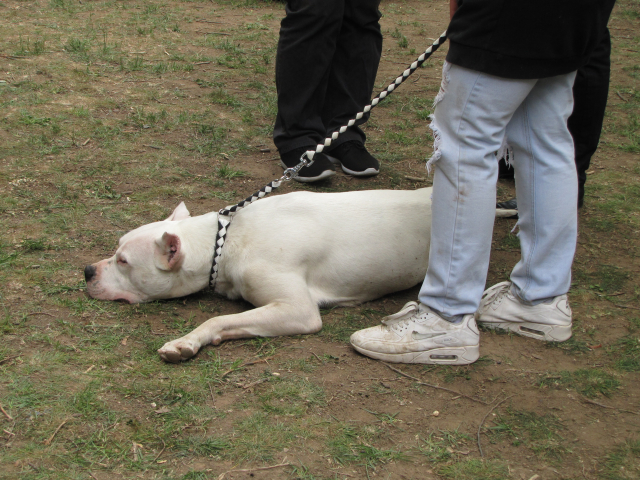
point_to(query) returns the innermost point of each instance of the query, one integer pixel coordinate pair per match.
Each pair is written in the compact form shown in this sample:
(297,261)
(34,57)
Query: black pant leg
(590,92)
(354,68)
(308,37)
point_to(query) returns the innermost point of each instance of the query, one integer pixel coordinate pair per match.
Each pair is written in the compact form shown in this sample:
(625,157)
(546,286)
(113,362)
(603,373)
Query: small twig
(161,451)
(415,179)
(212,33)
(209,21)
(610,408)
(5,413)
(93,476)
(245,470)
(202,63)
(262,346)
(50,439)
(268,160)
(5,360)
(8,432)
(435,386)
(231,370)
(317,357)
(621,97)
(257,382)
(485,417)
(626,306)
(40,313)
(153,146)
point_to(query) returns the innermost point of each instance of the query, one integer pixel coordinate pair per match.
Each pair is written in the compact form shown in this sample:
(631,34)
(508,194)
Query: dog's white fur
(287,255)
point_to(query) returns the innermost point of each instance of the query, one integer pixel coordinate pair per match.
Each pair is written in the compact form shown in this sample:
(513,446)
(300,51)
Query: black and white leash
(225,215)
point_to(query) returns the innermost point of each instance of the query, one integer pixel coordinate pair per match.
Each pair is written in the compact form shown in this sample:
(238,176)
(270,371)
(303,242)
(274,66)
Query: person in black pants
(590,92)
(326,65)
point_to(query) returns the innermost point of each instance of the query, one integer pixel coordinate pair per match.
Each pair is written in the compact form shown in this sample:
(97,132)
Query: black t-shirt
(526,39)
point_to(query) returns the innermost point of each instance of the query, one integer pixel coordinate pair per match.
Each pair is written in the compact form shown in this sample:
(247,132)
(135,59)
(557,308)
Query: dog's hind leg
(282,317)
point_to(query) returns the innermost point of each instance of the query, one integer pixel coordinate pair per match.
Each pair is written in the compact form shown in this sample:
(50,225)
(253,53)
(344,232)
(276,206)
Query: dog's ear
(169,254)
(180,213)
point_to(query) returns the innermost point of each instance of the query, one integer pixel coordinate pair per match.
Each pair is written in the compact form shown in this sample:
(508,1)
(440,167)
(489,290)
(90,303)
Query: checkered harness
(225,215)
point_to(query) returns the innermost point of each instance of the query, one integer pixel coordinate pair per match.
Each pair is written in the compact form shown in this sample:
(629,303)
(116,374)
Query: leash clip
(306,160)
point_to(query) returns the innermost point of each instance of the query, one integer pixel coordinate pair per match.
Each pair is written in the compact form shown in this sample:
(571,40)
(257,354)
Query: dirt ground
(113,113)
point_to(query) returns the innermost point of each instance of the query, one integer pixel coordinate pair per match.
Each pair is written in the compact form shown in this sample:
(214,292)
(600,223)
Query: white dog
(286,254)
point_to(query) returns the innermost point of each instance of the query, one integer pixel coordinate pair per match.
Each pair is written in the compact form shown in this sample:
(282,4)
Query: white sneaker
(416,334)
(500,309)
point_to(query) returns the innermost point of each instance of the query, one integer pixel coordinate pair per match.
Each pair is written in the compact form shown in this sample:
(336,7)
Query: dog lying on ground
(287,255)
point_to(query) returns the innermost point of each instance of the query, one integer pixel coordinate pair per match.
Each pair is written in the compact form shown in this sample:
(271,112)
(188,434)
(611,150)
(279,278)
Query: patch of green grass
(440,446)
(8,259)
(28,119)
(201,445)
(604,279)
(341,325)
(625,353)
(291,396)
(476,469)
(349,446)
(76,45)
(400,138)
(538,432)
(633,71)
(623,463)
(220,96)
(260,437)
(511,242)
(27,47)
(228,172)
(572,346)
(588,382)
(450,373)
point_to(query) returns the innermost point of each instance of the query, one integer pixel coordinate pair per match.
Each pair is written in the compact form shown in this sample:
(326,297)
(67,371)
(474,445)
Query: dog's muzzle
(89,273)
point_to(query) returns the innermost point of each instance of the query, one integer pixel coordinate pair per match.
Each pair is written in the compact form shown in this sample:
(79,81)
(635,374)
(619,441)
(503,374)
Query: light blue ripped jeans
(474,114)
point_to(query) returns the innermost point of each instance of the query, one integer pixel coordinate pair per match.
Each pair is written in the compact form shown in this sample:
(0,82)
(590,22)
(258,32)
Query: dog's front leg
(275,319)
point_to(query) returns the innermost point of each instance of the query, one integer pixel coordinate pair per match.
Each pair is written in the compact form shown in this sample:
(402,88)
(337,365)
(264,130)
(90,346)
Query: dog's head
(146,266)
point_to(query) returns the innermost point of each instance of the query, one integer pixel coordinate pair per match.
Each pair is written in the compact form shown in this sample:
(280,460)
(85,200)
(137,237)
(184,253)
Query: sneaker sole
(322,176)
(438,356)
(369,172)
(549,333)
(506,213)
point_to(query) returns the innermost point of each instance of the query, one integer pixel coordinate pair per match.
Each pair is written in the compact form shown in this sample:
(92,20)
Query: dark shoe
(355,159)
(508,209)
(320,169)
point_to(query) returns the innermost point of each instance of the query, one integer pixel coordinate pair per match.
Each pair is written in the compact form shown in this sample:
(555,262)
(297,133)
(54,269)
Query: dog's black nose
(89,272)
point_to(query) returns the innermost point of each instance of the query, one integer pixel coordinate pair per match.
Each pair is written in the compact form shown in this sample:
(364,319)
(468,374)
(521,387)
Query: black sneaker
(355,159)
(508,209)
(320,169)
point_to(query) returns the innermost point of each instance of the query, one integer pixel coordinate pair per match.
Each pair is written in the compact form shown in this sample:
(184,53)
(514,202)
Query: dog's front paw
(178,350)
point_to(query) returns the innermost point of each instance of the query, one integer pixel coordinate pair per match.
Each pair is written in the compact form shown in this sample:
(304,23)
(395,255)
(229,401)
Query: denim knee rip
(433,126)
(505,151)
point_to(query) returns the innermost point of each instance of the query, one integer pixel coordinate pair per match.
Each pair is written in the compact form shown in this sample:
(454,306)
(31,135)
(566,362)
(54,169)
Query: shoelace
(497,292)
(399,321)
